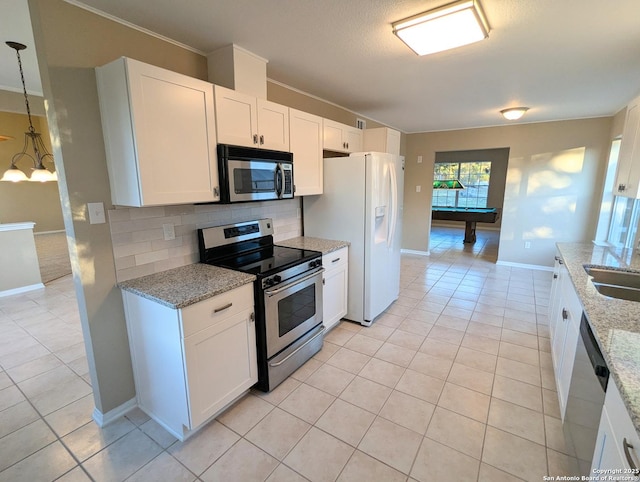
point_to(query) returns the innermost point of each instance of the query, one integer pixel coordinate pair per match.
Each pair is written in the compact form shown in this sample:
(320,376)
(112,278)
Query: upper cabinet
(382,139)
(628,176)
(244,120)
(305,135)
(160,136)
(341,137)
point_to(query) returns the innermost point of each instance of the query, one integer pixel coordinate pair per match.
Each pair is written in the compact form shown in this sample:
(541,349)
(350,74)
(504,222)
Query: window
(474,176)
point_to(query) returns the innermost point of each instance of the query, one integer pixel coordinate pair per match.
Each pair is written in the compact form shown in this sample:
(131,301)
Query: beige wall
(553,188)
(18,259)
(27,201)
(70,42)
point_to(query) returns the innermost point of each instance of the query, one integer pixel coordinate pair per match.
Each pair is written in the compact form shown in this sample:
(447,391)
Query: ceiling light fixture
(447,27)
(40,173)
(514,113)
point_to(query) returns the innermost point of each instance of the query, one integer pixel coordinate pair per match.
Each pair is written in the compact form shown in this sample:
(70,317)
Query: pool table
(470,216)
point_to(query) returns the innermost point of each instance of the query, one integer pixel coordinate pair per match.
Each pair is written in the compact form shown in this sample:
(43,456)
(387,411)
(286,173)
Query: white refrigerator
(362,203)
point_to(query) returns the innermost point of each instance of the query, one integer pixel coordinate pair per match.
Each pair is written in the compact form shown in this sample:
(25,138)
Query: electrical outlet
(419,159)
(418,188)
(169,232)
(527,244)
(96,213)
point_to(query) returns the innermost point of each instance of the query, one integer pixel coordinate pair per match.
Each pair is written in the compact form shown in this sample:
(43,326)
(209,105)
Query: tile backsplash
(139,247)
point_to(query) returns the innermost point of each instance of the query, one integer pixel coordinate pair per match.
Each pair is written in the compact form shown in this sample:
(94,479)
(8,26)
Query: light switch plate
(96,213)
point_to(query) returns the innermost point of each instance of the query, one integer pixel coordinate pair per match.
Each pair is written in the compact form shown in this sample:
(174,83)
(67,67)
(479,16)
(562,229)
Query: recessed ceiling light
(447,27)
(514,113)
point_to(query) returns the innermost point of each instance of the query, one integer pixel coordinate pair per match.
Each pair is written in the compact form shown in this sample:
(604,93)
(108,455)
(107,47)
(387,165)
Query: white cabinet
(305,136)
(382,139)
(336,281)
(565,330)
(244,120)
(628,175)
(618,445)
(341,137)
(191,363)
(159,133)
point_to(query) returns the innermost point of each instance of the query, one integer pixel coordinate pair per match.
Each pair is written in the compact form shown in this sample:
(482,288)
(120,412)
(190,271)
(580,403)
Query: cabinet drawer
(213,310)
(335,259)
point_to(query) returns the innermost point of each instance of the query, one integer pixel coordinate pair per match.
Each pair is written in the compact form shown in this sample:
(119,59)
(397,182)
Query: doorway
(475,187)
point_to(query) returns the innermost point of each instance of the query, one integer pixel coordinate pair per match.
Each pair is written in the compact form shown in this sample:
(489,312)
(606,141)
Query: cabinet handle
(626,445)
(622,187)
(560,261)
(216,191)
(222,308)
(255,138)
(555,276)
(335,260)
(261,140)
(347,145)
(556,258)
(252,317)
(565,314)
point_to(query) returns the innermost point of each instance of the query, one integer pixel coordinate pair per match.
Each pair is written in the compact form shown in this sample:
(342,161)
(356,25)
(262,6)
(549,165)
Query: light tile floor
(453,383)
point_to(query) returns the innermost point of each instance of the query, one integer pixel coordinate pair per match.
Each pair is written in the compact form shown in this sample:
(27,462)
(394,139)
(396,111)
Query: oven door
(292,309)
(254,180)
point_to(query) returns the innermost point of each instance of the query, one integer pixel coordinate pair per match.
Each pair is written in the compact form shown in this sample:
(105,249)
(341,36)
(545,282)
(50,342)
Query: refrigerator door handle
(394,205)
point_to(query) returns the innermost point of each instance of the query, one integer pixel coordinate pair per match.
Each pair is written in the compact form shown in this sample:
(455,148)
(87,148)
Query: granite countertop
(184,286)
(615,323)
(315,244)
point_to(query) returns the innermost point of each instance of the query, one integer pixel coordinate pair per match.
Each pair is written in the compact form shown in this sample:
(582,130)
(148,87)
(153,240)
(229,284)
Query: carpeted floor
(53,256)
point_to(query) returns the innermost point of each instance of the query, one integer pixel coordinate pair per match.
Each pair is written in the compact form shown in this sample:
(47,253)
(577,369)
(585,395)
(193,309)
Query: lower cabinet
(618,445)
(565,330)
(191,363)
(336,281)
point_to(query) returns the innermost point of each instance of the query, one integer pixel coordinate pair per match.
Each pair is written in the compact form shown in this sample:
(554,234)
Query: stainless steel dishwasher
(586,398)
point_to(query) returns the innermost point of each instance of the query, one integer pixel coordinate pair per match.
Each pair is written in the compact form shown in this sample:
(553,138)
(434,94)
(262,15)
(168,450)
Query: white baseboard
(523,265)
(103,419)
(22,289)
(417,253)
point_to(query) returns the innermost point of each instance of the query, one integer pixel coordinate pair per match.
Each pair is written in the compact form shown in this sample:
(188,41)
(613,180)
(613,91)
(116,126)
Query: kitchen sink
(624,285)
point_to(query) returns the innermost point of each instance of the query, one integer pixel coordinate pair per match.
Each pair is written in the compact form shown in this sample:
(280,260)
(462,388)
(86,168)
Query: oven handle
(298,349)
(280,290)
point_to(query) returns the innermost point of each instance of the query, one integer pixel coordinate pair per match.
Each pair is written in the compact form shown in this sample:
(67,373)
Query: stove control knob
(276,279)
(268,282)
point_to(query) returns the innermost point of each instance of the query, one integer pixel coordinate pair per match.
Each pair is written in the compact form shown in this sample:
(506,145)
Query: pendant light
(32,139)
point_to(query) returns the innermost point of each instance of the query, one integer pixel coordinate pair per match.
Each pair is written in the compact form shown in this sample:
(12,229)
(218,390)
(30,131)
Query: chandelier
(32,139)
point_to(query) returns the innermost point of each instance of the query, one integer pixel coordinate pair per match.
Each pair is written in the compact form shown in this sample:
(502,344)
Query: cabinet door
(393,142)
(556,287)
(220,365)
(334,293)
(306,145)
(332,136)
(160,137)
(236,117)
(621,428)
(353,137)
(606,454)
(628,176)
(273,125)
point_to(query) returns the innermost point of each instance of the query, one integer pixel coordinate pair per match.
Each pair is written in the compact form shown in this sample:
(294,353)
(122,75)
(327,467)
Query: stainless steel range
(288,293)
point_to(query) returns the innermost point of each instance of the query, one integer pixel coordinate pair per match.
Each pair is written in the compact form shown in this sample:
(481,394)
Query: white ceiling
(565,59)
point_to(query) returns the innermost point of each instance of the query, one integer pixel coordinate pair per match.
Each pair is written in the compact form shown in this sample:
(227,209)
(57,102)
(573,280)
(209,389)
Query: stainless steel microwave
(249,174)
